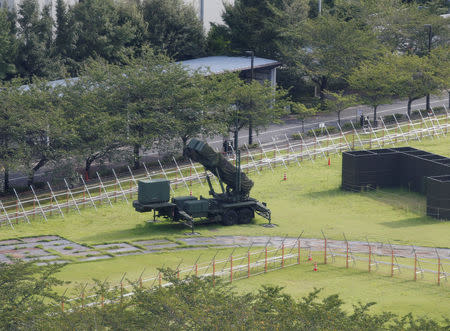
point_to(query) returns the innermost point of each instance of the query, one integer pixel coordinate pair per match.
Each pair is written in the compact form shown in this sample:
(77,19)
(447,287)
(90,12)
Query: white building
(209,11)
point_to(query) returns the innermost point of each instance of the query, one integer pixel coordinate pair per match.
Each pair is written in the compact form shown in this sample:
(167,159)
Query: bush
(391,119)
(321,132)
(348,126)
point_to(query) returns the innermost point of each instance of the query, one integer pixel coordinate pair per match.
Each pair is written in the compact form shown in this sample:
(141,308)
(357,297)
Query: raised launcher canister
(231,206)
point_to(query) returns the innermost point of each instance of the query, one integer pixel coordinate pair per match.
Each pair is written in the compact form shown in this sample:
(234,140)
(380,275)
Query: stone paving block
(95,258)
(151,242)
(159,247)
(52,262)
(77,254)
(9,242)
(4,259)
(123,250)
(40,238)
(25,252)
(41,258)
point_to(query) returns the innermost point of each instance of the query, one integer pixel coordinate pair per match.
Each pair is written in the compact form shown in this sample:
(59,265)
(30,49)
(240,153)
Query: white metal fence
(281,152)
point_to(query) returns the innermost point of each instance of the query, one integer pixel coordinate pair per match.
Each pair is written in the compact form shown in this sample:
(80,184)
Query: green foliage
(8,46)
(106,30)
(327,48)
(255,25)
(338,101)
(321,132)
(27,295)
(34,42)
(174,28)
(191,304)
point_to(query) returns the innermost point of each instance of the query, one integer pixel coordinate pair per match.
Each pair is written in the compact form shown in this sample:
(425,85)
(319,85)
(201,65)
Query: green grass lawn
(309,200)
(399,294)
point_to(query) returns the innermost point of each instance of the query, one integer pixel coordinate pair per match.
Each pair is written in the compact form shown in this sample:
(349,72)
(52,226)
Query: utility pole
(429,52)
(250,128)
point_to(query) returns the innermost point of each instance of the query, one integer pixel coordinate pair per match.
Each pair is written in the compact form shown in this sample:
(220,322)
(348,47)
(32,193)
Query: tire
(230,218)
(246,215)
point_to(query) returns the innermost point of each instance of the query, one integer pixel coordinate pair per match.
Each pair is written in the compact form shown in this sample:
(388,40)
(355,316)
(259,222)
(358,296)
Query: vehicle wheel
(230,218)
(246,215)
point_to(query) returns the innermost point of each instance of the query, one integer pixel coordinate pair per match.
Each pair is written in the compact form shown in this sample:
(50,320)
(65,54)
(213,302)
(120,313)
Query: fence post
(231,268)
(370,257)
(265,260)
(346,259)
(51,205)
(248,264)
(282,255)
(439,271)
(415,266)
(214,273)
(67,202)
(131,191)
(34,209)
(298,255)
(100,194)
(196,270)
(392,262)
(62,305)
(325,252)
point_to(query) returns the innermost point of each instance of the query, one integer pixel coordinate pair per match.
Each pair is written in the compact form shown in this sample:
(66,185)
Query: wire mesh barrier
(405,262)
(280,152)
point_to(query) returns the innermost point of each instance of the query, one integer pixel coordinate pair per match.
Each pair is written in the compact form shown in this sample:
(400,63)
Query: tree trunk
(410,100)
(375,122)
(323,85)
(38,166)
(136,156)
(87,167)
(6,180)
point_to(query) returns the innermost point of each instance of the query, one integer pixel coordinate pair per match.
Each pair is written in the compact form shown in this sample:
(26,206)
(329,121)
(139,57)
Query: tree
(416,77)
(338,101)
(258,104)
(174,28)
(326,49)
(48,136)
(12,131)
(64,39)
(27,295)
(374,82)
(256,25)
(106,30)
(97,123)
(302,112)
(35,42)
(8,47)
(440,60)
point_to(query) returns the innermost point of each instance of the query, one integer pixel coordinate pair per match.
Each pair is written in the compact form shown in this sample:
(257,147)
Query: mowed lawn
(399,294)
(310,200)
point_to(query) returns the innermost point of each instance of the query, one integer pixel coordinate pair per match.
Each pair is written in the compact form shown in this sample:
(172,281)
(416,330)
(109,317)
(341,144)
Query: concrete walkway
(54,249)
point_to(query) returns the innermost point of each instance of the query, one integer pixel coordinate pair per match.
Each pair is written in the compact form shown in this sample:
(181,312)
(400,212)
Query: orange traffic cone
(315,266)
(284,176)
(329,161)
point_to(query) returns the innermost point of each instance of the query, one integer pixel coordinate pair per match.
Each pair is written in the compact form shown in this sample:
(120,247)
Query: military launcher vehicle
(232,205)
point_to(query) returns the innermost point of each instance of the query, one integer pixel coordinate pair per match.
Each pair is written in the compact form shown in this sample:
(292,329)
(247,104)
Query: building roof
(221,64)
(210,64)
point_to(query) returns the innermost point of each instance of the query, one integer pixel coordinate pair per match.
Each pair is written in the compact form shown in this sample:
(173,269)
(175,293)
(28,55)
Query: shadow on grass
(327,193)
(410,222)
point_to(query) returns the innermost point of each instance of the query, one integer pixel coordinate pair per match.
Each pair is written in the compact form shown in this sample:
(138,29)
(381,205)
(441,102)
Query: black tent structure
(407,167)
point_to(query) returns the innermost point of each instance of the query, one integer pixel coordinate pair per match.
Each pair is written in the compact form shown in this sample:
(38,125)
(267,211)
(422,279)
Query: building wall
(212,11)
(209,11)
